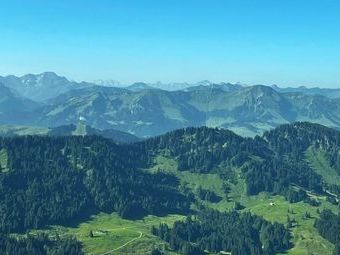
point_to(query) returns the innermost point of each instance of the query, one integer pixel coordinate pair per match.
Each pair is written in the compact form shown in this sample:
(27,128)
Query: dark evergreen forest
(52,180)
(214,231)
(39,245)
(328,226)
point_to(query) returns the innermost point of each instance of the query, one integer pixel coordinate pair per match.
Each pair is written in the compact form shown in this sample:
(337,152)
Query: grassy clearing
(80,129)
(111,232)
(192,180)
(305,237)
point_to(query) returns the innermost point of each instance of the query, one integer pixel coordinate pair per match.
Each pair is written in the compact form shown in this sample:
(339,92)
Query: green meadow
(305,237)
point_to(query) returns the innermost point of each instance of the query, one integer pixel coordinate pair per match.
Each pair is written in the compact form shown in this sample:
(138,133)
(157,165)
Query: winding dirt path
(118,248)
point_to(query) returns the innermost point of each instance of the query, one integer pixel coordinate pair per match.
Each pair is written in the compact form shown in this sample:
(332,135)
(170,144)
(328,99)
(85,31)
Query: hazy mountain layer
(331,93)
(145,110)
(15,109)
(245,110)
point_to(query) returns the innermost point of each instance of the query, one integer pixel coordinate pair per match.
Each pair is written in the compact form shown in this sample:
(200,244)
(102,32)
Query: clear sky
(284,42)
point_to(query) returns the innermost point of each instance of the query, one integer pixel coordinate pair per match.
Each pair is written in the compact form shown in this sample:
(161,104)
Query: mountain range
(41,86)
(142,109)
(332,93)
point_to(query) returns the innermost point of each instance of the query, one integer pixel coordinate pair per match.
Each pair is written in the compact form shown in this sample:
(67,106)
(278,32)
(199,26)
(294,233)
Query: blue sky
(286,42)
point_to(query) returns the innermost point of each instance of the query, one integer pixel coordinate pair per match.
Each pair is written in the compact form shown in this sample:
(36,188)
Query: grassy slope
(111,233)
(305,237)
(317,160)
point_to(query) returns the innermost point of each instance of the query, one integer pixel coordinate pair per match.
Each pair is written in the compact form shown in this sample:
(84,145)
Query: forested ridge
(53,180)
(269,163)
(201,149)
(294,139)
(290,142)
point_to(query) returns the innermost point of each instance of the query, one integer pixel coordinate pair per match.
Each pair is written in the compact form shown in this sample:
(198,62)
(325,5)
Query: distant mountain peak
(50,75)
(262,89)
(45,79)
(39,87)
(204,83)
(138,86)
(41,75)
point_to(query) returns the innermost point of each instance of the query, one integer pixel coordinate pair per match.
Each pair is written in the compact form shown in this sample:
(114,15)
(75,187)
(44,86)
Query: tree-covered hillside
(48,180)
(228,232)
(201,149)
(39,245)
(55,180)
(270,163)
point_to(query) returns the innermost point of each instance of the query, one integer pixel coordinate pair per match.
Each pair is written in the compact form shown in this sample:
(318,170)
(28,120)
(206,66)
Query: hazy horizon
(118,83)
(288,43)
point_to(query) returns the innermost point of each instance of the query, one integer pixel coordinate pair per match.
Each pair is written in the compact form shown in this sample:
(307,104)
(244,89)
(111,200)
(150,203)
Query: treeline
(39,245)
(294,196)
(276,175)
(214,231)
(328,225)
(287,166)
(271,163)
(53,180)
(290,142)
(201,149)
(208,195)
(294,139)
